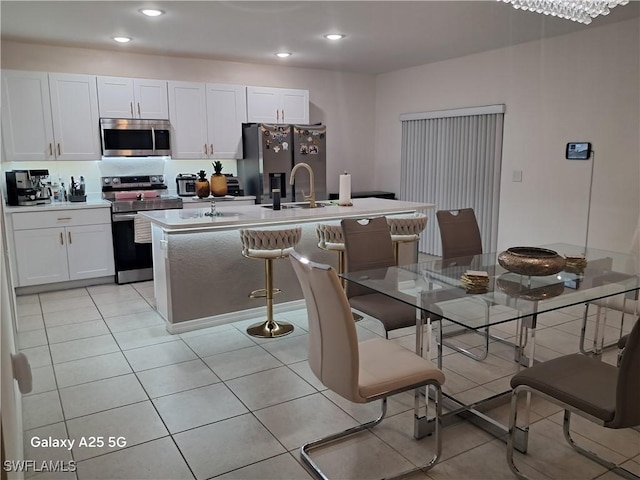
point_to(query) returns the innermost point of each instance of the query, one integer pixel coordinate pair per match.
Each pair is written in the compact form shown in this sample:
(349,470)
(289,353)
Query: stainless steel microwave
(126,137)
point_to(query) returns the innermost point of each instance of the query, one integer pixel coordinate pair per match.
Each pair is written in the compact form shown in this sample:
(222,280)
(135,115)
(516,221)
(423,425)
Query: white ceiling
(382,36)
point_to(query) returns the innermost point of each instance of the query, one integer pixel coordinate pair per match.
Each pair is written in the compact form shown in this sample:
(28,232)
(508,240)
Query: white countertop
(95,202)
(256,215)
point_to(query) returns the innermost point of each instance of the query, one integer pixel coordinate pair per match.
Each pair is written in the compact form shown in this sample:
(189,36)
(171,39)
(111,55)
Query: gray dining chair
(597,391)
(620,303)
(459,233)
(360,372)
(461,240)
(368,246)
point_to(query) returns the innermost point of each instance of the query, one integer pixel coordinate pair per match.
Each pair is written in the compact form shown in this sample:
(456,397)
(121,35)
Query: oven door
(134,261)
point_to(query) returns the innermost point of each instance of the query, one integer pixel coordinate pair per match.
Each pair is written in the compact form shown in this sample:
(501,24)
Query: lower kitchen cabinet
(58,254)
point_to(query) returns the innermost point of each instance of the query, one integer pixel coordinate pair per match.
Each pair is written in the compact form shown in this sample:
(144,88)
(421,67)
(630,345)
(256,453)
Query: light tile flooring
(218,403)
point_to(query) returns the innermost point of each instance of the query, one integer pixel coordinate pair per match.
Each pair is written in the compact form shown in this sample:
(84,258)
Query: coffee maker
(27,187)
(41,185)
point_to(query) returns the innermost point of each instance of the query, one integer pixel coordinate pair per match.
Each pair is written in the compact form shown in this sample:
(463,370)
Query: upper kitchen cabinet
(74,107)
(277,105)
(132,98)
(206,120)
(27,128)
(49,116)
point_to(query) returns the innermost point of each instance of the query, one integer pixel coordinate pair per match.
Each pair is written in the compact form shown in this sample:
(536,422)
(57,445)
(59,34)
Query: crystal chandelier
(577,10)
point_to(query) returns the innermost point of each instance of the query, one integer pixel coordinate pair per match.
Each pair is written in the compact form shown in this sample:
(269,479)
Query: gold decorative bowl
(515,289)
(532,261)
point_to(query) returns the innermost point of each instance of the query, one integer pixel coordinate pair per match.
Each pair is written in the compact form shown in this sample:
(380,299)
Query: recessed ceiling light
(334,36)
(122,39)
(283,54)
(152,12)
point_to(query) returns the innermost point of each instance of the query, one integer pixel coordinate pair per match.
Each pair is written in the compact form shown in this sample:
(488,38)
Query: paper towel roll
(344,195)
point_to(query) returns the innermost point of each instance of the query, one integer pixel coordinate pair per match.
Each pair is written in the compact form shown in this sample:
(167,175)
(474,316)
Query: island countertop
(257,215)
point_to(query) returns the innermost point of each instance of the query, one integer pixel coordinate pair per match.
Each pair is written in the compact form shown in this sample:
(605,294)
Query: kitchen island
(200,276)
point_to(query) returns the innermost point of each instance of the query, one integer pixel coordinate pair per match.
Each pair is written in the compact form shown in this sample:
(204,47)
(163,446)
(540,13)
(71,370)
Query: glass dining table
(447,305)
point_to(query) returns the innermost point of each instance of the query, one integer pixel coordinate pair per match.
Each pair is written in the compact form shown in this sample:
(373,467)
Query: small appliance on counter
(234,186)
(186,184)
(27,187)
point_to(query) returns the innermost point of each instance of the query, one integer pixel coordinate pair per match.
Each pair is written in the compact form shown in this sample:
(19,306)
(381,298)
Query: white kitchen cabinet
(120,97)
(74,107)
(49,116)
(81,249)
(206,120)
(27,127)
(277,105)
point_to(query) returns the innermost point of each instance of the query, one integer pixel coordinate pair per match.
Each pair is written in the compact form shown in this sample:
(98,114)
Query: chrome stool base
(270,329)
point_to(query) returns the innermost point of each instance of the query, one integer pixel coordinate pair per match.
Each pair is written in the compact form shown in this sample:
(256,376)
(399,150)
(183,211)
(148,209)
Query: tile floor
(216,403)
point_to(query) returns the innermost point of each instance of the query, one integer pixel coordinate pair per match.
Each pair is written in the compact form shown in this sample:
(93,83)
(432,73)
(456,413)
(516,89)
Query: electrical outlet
(516,176)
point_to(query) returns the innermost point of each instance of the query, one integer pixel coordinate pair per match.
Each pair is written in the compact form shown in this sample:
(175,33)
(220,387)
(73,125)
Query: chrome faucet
(311,198)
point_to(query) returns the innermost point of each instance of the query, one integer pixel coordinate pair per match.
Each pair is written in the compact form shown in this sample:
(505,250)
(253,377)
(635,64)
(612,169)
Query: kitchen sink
(307,205)
(283,207)
(299,205)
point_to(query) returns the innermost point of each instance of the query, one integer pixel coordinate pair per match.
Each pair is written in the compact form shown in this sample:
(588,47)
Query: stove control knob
(115,180)
(106,181)
(154,179)
(161,179)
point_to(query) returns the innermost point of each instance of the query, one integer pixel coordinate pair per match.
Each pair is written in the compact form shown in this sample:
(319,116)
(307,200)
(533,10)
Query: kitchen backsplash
(91,171)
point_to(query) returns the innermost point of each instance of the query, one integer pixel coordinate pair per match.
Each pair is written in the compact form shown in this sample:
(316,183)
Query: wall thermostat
(578,151)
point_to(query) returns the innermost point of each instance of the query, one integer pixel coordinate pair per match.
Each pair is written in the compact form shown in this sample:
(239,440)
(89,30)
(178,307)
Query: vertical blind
(452,159)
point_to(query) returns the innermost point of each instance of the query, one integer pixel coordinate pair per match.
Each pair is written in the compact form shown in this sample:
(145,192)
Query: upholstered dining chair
(625,306)
(459,233)
(368,246)
(460,238)
(360,372)
(597,391)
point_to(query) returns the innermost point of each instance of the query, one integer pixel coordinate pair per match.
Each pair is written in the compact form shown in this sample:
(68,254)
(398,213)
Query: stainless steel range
(128,196)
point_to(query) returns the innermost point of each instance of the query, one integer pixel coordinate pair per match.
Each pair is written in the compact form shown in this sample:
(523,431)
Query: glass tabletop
(437,286)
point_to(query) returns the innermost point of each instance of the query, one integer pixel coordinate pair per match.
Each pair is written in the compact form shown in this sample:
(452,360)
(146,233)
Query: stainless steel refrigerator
(272,150)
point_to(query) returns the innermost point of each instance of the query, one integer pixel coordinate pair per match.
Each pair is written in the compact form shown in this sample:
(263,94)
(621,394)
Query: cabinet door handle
(70,242)
(59,150)
(131,108)
(63,218)
(211,149)
(50,149)
(139,110)
(205,149)
(278,116)
(283,115)
(61,239)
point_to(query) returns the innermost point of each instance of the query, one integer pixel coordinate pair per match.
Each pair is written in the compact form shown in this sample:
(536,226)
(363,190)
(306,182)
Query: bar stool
(330,238)
(406,229)
(269,245)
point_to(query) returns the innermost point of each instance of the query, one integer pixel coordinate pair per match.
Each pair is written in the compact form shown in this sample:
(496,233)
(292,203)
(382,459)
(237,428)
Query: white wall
(579,87)
(343,101)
